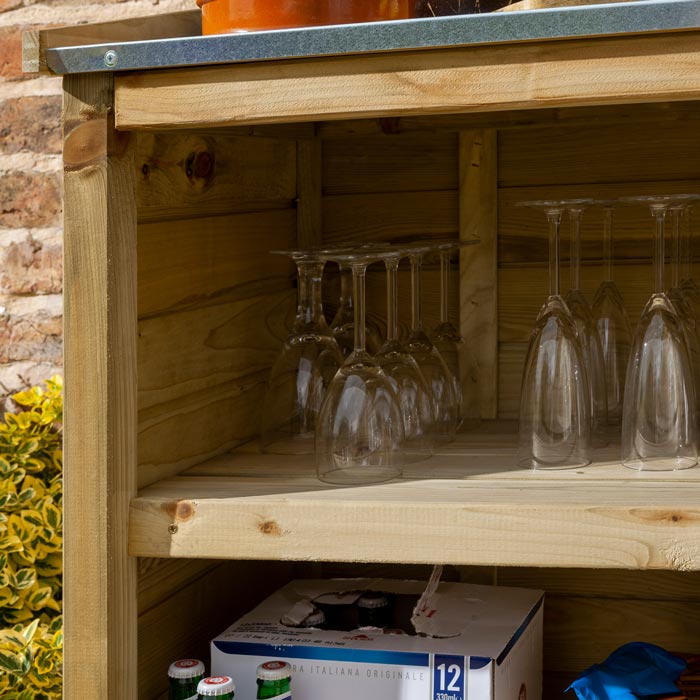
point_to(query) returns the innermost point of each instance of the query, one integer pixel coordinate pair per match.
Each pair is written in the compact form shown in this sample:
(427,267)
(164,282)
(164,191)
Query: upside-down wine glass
(612,323)
(453,348)
(359,430)
(555,414)
(437,375)
(682,301)
(404,374)
(304,368)
(586,327)
(659,423)
(691,290)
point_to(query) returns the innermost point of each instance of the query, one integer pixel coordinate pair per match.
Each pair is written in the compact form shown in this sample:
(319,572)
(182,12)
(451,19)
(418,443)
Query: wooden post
(100,331)
(478,278)
(309,193)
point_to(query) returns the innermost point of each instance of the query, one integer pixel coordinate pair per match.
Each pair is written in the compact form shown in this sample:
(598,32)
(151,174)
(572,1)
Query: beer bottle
(274,681)
(373,610)
(184,677)
(220,687)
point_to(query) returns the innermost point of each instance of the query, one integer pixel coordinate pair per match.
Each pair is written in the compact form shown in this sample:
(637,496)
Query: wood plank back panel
(414,162)
(214,303)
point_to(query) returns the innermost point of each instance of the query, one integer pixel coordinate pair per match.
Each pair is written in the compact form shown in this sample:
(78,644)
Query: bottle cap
(216,685)
(186,668)
(372,600)
(274,671)
(315,619)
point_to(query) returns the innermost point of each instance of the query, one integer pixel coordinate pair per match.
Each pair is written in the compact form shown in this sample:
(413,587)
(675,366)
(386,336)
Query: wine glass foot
(660,464)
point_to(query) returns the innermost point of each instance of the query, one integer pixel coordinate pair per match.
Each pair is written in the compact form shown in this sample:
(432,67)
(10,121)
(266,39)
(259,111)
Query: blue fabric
(633,671)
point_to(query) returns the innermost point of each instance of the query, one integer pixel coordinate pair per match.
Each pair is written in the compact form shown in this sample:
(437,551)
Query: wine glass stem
(575,263)
(392,296)
(659,254)
(676,214)
(416,292)
(444,286)
(554,218)
(686,247)
(310,304)
(608,243)
(358,284)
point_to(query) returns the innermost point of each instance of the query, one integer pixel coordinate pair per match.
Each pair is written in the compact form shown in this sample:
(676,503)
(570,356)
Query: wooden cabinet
(179,182)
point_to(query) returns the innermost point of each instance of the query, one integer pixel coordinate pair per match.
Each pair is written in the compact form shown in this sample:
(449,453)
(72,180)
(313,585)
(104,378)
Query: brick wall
(30,187)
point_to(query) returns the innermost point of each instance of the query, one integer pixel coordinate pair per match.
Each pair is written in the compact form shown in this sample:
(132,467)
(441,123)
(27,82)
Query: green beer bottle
(274,681)
(184,677)
(220,687)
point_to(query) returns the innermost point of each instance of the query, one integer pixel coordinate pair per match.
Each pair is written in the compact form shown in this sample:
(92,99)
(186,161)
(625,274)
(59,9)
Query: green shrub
(31,541)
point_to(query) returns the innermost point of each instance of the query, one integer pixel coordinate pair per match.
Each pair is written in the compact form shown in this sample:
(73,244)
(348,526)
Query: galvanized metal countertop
(440,32)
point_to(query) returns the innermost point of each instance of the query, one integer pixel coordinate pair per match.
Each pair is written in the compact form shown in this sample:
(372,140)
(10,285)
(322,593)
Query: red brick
(30,267)
(36,338)
(29,200)
(11,52)
(31,124)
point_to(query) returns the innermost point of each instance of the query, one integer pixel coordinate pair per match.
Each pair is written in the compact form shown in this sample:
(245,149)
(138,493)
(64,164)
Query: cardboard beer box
(376,639)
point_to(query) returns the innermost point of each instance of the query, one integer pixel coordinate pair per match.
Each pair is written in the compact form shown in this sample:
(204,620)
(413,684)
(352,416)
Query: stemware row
(585,374)
(363,406)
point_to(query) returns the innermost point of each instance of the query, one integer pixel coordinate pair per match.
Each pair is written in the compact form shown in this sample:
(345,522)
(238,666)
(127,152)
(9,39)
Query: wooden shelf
(468,505)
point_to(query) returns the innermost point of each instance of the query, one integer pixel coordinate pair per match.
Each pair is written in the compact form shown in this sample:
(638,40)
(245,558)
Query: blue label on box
(449,677)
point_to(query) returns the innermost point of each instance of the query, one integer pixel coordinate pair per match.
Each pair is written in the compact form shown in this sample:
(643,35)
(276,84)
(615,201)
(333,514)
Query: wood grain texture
(176,435)
(650,68)
(161,26)
(195,349)
(611,584)
(183,175)
(208,257)
(582,631)
(100,591)
(413,162)
(478,281)
(663,114)
(596,154)
(472,498)
(160,578)
(397,216)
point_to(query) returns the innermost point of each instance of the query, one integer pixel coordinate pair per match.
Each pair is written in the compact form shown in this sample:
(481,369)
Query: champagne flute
(454,350)
(612,323)
(659,426)
(586,328)
(555,411)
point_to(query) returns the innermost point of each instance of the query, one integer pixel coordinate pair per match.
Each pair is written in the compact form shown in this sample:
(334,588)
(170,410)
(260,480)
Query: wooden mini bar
(179,182)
